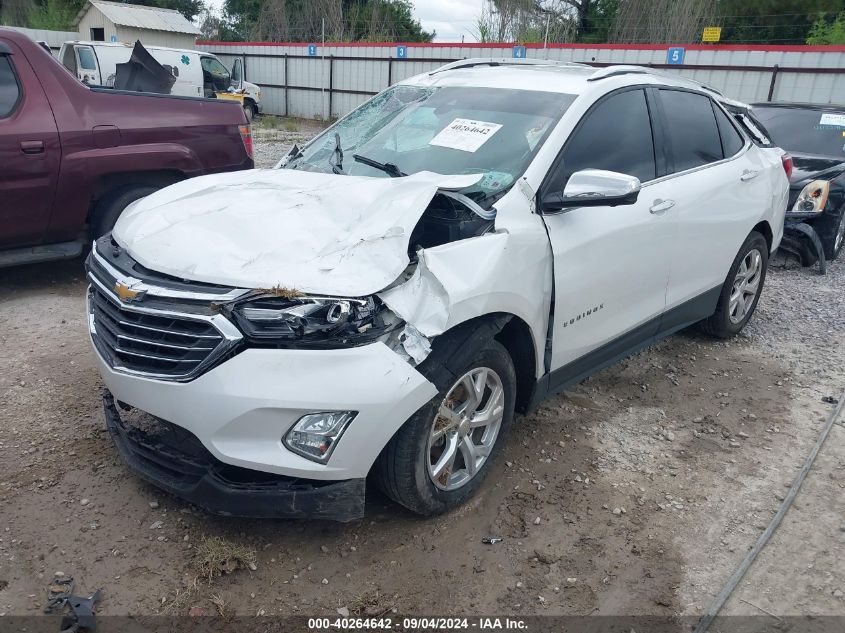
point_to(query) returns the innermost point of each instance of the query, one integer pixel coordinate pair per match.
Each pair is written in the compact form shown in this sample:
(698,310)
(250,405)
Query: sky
(451,19)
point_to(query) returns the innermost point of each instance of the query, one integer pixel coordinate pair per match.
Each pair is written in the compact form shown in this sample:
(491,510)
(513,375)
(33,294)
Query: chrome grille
(149,342)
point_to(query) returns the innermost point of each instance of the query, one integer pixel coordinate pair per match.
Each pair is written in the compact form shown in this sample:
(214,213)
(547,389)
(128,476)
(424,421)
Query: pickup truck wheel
(441,455)
(741,290)
(249,111)
(110,207)
(831,230)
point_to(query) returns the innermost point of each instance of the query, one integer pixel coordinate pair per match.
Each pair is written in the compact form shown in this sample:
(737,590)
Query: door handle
(32,147)
(661,206)
(749,174)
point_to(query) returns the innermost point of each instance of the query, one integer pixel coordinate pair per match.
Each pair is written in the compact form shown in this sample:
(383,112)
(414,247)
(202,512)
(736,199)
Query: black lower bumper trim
(198,477)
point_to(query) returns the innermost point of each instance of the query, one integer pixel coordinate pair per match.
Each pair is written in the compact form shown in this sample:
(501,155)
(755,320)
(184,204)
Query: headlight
(812,198)
(313,321)
(315,435)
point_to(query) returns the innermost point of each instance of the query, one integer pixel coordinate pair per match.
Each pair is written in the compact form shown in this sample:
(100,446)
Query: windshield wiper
(388,168)
(337,154)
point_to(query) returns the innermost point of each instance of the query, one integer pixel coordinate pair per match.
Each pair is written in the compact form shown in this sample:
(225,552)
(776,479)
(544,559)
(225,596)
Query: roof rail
(615,71)
(502,61)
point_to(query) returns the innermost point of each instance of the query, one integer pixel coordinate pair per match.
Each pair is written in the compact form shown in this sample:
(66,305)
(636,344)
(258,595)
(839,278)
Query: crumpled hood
(312,232)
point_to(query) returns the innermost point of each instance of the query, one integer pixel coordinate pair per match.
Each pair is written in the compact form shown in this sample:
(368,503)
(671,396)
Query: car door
(720,189)
(87,68)
(237,74)
(611,264)
(29,152)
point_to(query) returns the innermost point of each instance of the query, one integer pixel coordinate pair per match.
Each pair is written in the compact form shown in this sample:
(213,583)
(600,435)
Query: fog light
(315,435)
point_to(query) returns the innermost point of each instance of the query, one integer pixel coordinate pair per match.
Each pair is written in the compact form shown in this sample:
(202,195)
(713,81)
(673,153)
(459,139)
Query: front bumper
(241,409)
(175,461)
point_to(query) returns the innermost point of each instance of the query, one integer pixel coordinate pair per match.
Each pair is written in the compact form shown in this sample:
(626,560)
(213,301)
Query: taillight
(246,137)
(786,159)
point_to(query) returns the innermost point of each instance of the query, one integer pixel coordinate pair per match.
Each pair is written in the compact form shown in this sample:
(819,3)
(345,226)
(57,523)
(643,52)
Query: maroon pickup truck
(72,157)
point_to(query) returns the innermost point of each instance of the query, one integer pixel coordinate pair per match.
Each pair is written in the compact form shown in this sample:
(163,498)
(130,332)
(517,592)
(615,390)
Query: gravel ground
(636,493)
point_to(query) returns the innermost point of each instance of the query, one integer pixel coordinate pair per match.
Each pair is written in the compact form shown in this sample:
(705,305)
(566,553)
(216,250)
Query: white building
(103,21)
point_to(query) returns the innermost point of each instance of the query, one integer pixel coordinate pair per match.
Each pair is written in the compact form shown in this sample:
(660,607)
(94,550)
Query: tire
(831,230)
(110,207)
(249,112)
(746,272)
(403,470)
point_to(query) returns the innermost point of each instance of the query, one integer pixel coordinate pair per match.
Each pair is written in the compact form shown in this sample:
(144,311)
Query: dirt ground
(637,493)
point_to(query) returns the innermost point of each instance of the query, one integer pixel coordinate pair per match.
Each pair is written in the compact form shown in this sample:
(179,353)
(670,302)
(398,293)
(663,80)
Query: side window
(693,133)
(86,58)
(9,90)
(732,141)
(615,135)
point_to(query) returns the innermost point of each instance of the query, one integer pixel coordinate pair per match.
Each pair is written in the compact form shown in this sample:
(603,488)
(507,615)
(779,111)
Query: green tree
(53,15)
(773,21)
(827,32)
(302,20)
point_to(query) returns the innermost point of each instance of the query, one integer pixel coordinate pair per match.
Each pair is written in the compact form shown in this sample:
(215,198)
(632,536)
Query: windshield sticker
(465,135)
(829,118)
(495,180)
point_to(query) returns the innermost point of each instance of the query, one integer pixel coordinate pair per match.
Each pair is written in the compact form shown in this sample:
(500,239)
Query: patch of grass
(178,603)
(361,602)
(220,604)
(272,122)
(216,556)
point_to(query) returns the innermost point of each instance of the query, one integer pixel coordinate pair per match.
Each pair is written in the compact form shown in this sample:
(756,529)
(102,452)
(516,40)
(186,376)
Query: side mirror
(593,188)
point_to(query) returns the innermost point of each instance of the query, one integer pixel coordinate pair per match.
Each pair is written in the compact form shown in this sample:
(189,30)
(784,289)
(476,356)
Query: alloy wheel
(465,429)
(746,285)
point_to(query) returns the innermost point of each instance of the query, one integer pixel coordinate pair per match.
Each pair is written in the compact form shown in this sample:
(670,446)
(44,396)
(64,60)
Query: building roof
(140,17)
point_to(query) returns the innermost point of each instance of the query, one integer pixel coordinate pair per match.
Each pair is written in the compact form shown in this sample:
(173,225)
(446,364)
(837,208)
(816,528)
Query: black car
(815,137)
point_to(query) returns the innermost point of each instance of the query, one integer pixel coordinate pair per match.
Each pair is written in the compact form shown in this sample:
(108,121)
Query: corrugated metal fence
(54,39)
(321,81)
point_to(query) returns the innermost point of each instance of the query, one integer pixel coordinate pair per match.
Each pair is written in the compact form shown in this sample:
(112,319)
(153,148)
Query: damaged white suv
(460,246)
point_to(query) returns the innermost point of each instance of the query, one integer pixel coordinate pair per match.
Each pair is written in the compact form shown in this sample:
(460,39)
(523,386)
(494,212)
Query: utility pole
(546,37)
(323,66)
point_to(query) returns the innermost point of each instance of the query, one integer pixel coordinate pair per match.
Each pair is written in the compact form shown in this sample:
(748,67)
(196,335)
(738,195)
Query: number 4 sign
(675,56)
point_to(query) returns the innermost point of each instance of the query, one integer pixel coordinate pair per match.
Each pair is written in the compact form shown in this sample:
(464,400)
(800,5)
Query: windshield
(213,66)
(448,130)
(805,131)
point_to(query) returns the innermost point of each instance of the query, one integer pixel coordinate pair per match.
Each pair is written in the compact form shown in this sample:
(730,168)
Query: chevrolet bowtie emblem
(126,292)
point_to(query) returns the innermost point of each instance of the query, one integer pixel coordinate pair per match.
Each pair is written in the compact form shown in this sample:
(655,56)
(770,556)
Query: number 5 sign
(675,56)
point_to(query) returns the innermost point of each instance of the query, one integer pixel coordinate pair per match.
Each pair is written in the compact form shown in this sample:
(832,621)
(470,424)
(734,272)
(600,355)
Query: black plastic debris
(81,618)
(830,400)
(802,241)
(143,73)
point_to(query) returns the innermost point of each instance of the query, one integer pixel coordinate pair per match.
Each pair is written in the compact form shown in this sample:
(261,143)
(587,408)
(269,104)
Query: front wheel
(108,209)
(440,456)
(741,290)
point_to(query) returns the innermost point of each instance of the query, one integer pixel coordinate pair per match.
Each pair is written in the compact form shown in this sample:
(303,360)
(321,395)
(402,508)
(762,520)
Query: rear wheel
(440,456)
(109,208)
(741,290)
(831,230)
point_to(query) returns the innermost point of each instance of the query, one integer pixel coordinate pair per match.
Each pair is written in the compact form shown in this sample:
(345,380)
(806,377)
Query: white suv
(461,246)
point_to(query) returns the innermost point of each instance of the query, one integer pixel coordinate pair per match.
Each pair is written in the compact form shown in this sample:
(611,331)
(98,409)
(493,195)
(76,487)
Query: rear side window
(693,133)
(86,58)
(9,90)
(615,135)
(732,141)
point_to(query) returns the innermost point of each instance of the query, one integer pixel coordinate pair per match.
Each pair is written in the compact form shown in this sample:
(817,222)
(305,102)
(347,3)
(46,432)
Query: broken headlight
(313,321)
(812,198)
